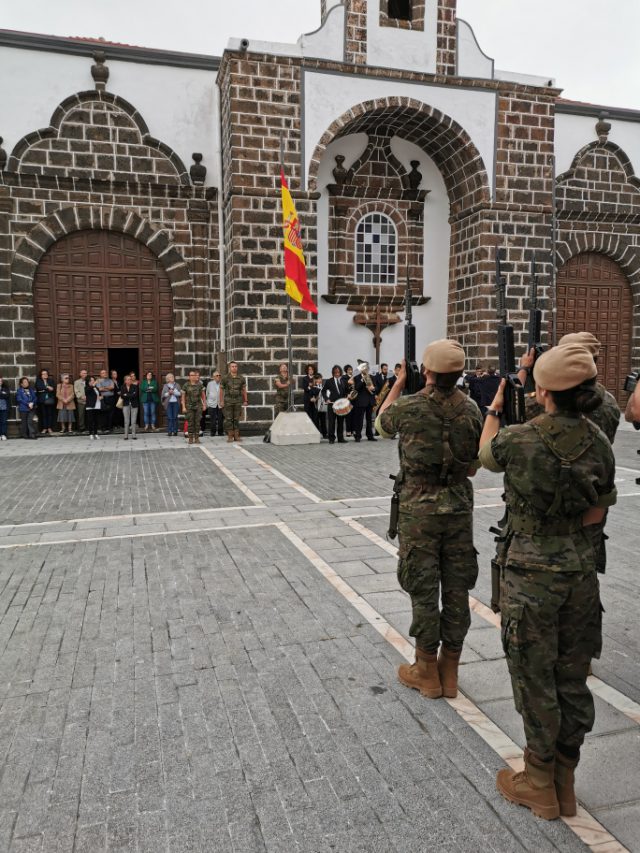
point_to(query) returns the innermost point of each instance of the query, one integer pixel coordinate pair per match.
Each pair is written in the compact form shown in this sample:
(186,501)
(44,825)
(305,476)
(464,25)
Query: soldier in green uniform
(559,479)
(606,416)
(282,383)
(233,398)
(193,404)
(439,430)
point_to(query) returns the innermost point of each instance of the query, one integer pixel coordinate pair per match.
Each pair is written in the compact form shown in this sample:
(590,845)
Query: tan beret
(564,367)
(585,339)
(444,356)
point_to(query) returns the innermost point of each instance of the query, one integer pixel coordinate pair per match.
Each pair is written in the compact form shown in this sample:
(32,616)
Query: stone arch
(614,246)
(612,150)
(134,124)
(42,236)
(439,136)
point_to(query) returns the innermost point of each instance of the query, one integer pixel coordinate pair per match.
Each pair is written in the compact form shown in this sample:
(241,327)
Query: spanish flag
(295,270)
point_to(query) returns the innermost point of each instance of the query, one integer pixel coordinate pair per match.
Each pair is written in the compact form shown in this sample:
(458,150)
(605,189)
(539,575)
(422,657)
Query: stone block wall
(96,167)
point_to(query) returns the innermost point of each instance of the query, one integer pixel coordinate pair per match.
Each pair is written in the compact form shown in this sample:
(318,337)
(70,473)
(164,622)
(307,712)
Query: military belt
(531,524)
(435,480)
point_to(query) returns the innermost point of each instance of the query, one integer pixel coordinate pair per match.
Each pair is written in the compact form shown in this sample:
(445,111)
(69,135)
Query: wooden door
(98,289)
(594,295)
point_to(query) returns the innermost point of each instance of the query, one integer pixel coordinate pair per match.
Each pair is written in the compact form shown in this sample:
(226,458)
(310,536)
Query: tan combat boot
(190,439)
(237,435)
(422,675)
(196,439)
(533,787)
(564,780)
(230,436)
(448,661)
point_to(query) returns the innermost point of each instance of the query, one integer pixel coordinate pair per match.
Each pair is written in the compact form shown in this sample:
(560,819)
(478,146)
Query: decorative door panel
(594,295)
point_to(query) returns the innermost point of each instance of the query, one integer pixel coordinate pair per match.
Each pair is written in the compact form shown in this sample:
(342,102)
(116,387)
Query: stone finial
(414,177)
(99,70)
(340,174)
(3,156)
(602,128)
(198,172)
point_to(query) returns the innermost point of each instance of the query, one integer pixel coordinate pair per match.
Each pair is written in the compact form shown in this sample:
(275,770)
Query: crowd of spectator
(96,405)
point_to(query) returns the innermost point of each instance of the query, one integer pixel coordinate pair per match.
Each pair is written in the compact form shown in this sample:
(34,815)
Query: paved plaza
(198,649)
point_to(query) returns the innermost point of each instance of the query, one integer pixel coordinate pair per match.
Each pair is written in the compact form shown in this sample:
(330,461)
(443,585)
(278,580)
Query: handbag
(120,403)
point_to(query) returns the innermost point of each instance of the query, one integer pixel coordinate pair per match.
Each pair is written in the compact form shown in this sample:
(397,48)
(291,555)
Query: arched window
(376,250)
(400,10)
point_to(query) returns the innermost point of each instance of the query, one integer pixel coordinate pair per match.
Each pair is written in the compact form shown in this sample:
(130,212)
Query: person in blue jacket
(26,398)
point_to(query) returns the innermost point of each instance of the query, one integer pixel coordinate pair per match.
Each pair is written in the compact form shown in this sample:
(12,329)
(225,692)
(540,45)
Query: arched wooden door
(595,295)
(102,300)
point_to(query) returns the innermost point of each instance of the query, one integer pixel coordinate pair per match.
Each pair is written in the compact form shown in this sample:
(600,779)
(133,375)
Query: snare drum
(342,407)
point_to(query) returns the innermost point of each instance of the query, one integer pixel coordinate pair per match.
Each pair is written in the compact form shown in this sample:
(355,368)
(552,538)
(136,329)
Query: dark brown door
(99,290)
(594,295)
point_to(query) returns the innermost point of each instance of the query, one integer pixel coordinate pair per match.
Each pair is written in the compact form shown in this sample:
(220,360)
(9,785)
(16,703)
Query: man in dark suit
(363,406)
(332,390)
(381,377)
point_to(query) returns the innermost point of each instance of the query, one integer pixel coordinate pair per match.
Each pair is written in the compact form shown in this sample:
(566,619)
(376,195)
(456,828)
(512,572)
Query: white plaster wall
(328,96)
(472,62)
(410,50)
(340,340)
(179,105)
(574,132)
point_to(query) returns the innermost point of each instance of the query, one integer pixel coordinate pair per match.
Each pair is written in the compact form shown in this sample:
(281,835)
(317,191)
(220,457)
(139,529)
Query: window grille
(376,250)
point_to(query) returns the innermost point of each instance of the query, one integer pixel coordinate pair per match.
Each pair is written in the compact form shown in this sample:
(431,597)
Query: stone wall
(97,167)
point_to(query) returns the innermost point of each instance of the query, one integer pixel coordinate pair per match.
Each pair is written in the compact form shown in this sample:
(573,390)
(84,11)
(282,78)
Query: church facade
(140,215)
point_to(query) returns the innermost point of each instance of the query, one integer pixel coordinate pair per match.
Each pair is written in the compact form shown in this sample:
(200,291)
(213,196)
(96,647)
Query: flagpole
(289,344)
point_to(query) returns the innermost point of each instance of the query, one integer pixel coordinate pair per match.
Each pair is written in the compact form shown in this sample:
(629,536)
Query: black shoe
(342,441)
(371,439)
(332,441)
(357,438)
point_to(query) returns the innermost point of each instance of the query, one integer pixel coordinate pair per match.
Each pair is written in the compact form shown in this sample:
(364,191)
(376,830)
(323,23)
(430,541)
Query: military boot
(230,436)
(422,675)
(533,787)
(564,780)
(196,439)
(237,435)
(190,439)
(448,661)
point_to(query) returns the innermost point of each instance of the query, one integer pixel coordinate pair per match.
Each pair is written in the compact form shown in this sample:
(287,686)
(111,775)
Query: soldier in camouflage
(606,416)
(282,384)
(559,479)
(439,430)
(193,405)
(233,398)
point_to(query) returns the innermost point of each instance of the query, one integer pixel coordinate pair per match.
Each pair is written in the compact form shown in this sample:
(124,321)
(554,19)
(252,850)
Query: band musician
(363,386)
(332,390)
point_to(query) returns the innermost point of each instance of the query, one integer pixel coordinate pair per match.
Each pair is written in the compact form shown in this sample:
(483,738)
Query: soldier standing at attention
(194,403)
(606,416)
(439,430)
(233,398)
(282,383)
(559,479)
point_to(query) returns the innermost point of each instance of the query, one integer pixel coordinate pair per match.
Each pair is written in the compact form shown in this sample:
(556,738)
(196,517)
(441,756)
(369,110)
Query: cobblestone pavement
(210,665)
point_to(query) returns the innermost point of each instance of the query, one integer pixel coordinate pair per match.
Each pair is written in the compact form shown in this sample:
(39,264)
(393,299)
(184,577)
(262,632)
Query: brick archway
(68,220)
(594,293)
(439,136)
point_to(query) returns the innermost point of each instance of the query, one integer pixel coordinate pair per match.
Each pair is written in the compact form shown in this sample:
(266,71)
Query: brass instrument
(381,397)
(363,370)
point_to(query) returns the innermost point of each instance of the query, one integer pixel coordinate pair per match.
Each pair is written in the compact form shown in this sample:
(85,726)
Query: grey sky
(590,51)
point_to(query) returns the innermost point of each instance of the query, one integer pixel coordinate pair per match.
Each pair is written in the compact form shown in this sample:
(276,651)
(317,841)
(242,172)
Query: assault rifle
(535,324)
(513,412)
(414,379)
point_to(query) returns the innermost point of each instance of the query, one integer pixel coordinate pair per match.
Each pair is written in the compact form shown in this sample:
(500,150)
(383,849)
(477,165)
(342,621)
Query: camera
(631,381)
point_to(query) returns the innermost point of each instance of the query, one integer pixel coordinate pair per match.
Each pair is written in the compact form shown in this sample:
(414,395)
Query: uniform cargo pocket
(512,615)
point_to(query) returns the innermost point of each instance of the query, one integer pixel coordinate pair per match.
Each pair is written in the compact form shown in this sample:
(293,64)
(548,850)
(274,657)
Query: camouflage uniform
(437,559)
(193,406)
(551,613)
(282,394)
(232,387)
(607,417)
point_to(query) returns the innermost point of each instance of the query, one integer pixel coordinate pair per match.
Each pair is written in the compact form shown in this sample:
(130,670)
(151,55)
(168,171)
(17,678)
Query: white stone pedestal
(294,428)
